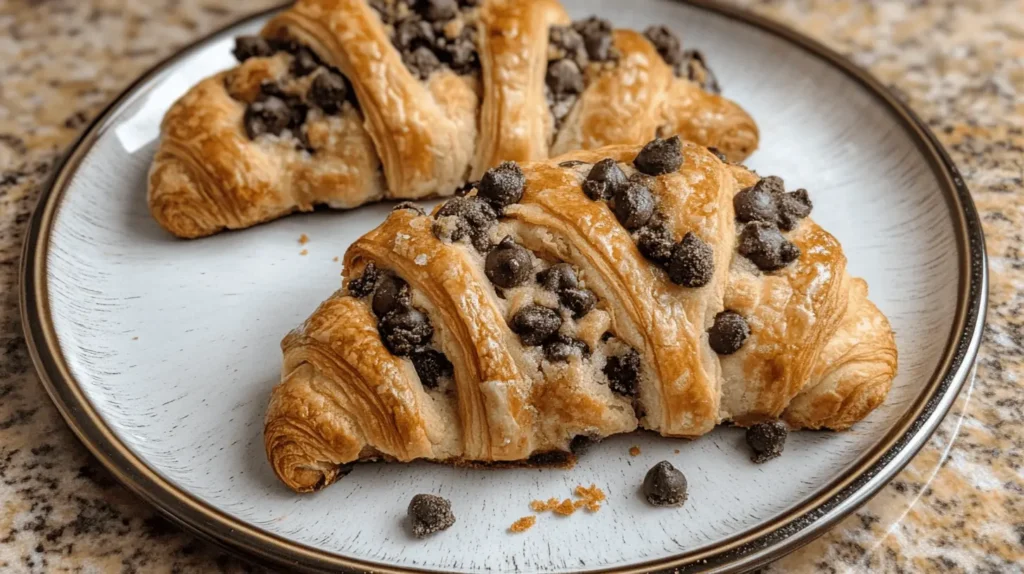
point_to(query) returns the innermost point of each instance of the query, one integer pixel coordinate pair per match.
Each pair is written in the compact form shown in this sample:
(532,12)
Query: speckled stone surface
(958,507)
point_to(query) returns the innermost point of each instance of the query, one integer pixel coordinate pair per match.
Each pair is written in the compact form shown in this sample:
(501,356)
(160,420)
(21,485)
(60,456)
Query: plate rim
(749,549)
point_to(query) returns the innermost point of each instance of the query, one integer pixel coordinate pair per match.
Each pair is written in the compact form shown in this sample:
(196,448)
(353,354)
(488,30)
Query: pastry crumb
(588,497)
(565,508)
(523,524)
(336,260)
(135,338)
(592,497)
(304,252)
(542,505)
(677,451)
(634,450)
(303,239)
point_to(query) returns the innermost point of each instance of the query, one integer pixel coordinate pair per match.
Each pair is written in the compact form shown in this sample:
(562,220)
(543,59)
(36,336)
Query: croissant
(344,102)
(572,299)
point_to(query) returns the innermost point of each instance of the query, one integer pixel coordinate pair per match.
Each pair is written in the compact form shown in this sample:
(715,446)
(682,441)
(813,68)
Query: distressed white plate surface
(176,343)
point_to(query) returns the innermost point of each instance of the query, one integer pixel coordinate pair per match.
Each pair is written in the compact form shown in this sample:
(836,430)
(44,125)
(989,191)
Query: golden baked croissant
(582,296)
(342,102)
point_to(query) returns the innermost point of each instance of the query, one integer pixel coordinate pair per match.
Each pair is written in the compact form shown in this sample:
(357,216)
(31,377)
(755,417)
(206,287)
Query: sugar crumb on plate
(634,450)
(523,524)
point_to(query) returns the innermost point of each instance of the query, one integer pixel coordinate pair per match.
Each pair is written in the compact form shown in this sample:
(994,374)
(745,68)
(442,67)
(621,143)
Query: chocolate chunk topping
(728,333)
(764,244)
(437,10)
(718,153)
(271,88)
(655,242)
(665,485)
(328,92)
(767,440)
(579,301)
(508,265)
(633,205)
(604,179)
(667,44)
(305,62)
(252,47)
(429,514)
(363,285)
(756,203)
(461,53)
(392,293)
(465,217)
(564,77)
(535,324)
(561,347)
(568,43)
(597,37)
(772,184)
(622,372)
(421,61)
(694,68)
(410,206)
(558,278)
(414,33)
(270,115)
(792,208)
(571,163)
(432,366)
(660,156)
(692,263)
(503,185)
(404,330)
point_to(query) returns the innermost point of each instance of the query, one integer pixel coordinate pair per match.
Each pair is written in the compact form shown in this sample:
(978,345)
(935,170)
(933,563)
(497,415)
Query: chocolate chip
(755,203)
(772,184)
(622,372)
(465,217)
(718,153)
(422,61)
(767,440)
(660,156)
(792,208)
(429,514)
(305,62)
(667,44)
(414,33)
(503,185)
(558,278)
(581,443)
(604,179)
(404,330)
(665,485)
(328,92)
(271,88)
(392,292)
(564,77)
(270,115)
(579,301)
(535,324)
(692,263)
(432,366)
(437,10)
(728,333)
(561,347)
(571,163)
(363,285)
(508,265)
(655,242)
(410,206)
(633,205)
(597,37)
(764,244)
(568,43)
(461,53)
(694,68)
(252,47)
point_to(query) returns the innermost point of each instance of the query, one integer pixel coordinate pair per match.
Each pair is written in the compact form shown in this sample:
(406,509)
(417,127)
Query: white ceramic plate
(162,353)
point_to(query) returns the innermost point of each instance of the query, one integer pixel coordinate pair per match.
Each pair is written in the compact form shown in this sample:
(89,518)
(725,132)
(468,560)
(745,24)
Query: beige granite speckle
(958,507)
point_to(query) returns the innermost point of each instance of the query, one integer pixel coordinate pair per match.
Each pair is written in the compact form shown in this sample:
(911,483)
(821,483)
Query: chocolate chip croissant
(343,102)
(572,299)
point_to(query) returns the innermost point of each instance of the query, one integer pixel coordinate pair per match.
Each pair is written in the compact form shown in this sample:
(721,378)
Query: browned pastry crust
(819,354)
(403,137)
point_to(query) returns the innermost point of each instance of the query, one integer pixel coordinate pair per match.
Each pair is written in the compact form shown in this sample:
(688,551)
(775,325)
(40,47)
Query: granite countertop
(958,507)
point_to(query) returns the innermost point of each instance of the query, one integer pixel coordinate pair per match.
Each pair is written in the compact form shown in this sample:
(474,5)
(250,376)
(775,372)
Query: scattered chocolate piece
(622,372)
(392,292)
(665,485)
(252,47)
(756,203)
(432,366)
(364,284)
(328,92)
(558,278)
(597,37)
(655,242)
(429,514)
(571,163)
(564,77)
(767,440)
(728,333)
(772,184)
(465,217)
(305,62)
(667,44)
(764,244)
(404,330)
(694,68)
(692,263)
(503,185)
(604,179)
(633,204)
(792,208)
(579,301)
(413,33)
(561,347)
(508,265)
(410,206)
(535,324)
(437,10)
(270,115)
(569,44)
(660,156)
(422,61)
